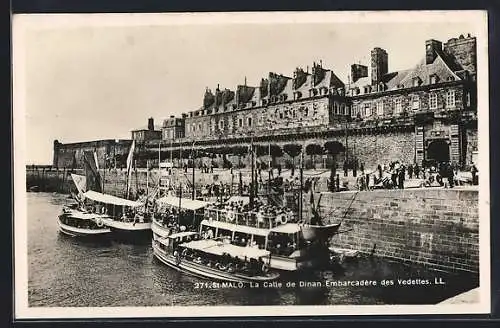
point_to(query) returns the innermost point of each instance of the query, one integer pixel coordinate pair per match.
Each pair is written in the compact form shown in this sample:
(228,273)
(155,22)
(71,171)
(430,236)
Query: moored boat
(75,222)
(214,259)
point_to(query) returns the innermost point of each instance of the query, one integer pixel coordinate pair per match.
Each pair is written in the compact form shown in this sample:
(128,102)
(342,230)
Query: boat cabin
(225,257)
(174,212)
(115,207)
(170,244)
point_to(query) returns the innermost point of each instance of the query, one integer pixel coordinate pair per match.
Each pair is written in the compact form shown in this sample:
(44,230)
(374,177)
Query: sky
(99,81)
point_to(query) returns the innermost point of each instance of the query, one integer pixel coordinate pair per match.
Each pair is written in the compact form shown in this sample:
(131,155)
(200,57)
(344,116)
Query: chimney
(151,124)
(358,71)
(379,64)
(431,48)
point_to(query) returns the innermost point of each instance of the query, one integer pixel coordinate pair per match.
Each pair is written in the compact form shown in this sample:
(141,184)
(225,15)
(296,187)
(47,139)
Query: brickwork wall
(438,227)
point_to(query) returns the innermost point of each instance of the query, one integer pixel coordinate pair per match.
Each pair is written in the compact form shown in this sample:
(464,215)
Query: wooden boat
(119,214)
(77,223)
(213,259)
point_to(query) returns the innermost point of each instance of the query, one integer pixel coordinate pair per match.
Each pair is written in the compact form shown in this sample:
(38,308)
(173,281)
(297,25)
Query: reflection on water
(65,271)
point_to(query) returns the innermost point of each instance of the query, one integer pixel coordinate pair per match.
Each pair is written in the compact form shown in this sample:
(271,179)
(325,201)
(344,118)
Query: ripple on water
(66,271)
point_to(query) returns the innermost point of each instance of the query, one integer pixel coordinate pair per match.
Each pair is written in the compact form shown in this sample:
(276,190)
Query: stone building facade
(151,132)
(424,113)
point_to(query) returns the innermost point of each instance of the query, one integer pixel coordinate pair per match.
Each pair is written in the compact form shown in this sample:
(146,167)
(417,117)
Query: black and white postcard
(251,164)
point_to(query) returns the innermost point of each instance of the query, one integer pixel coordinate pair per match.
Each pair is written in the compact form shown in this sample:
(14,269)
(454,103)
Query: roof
(214,247)
(185,203)
(236,227)
(438,68)
(182,234)
(288,228)
(109,199)
(404,78)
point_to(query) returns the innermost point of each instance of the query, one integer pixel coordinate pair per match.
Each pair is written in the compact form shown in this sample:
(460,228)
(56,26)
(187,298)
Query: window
(249,121)
(467,99)
(434,79)
(335,108)
(355,111)
(221,125)
(398,106)
(450,99)
(416,81)
(415,103)
(433,102)
(368,110)
(342,109)
(380,108)
(240,122)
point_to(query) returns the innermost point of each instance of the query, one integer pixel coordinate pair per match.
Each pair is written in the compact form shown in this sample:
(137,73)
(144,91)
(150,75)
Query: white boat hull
(80,232)
(159,230)
(202,271)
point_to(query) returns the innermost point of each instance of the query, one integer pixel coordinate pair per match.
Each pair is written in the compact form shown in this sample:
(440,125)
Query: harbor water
(70,272)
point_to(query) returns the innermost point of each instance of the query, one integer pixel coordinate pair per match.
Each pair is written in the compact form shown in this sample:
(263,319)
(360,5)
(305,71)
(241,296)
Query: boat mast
(252,168)
(179,180)
(192,182)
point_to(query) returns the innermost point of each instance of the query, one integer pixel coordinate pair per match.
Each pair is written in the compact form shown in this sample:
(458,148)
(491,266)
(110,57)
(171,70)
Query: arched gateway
(438,150)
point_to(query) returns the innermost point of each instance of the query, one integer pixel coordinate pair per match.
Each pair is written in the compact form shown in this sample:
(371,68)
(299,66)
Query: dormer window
(400,86)
(381,87)
(264,102)
(416,81)
(451,78)
(434,79)
(357,91)
(234,106)
(254,103)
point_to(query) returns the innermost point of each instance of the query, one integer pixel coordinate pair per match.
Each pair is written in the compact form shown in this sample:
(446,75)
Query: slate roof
(440,67)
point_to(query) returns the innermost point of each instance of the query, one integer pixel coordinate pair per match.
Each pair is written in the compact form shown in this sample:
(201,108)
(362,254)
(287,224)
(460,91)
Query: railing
(250,218)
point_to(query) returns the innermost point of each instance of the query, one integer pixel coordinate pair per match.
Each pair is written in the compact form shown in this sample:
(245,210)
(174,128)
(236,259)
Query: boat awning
(186,203)
(182,234)
(236,227)
(218,248)
(205,245)
(109,199)
(288,228)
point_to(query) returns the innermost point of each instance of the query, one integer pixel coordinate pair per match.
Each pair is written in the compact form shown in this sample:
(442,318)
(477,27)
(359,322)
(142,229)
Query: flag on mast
(80,182)
(96,161)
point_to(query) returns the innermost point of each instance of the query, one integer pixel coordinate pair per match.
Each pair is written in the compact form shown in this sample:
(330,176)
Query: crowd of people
(394,175)
(257,215)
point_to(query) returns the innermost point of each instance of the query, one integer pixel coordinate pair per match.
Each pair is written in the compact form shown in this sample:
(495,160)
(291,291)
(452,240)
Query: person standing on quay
(410,171)
(401,177)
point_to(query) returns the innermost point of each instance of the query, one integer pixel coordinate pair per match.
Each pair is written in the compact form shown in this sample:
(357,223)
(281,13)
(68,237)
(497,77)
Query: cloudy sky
(98,80)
